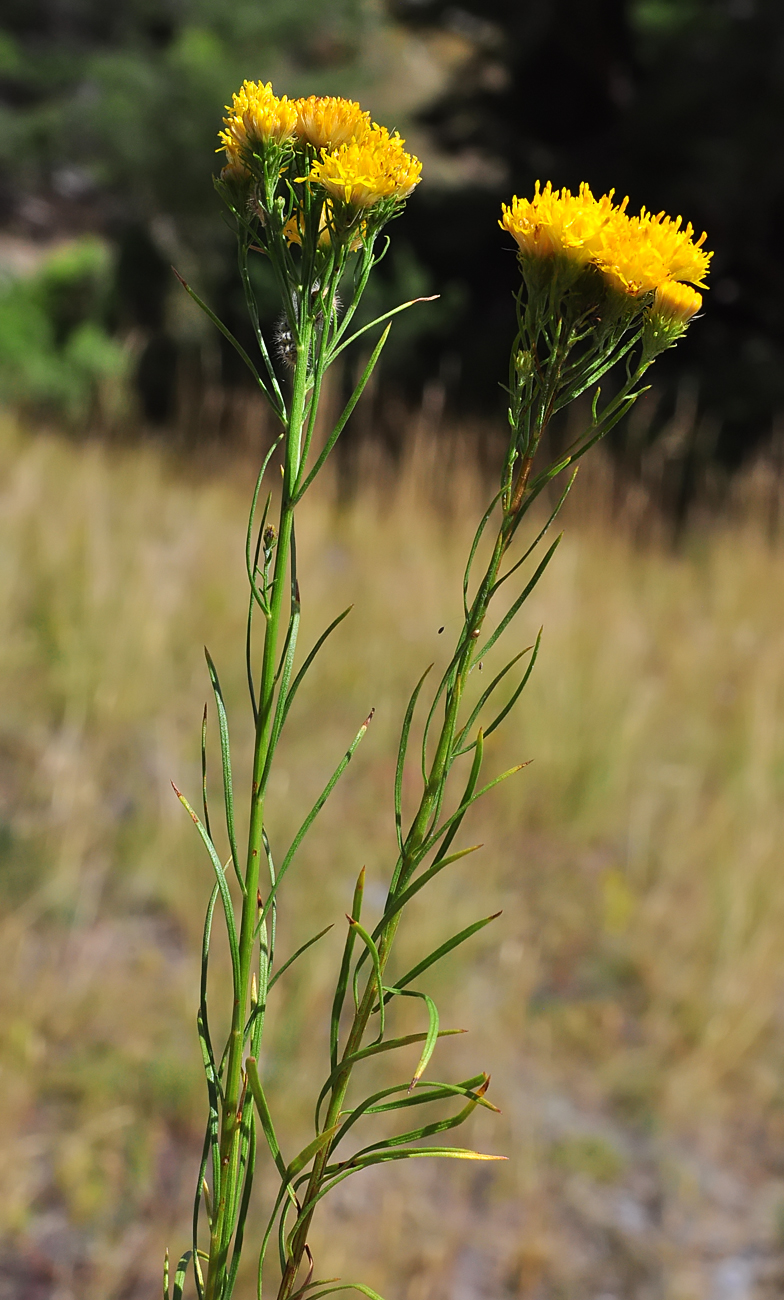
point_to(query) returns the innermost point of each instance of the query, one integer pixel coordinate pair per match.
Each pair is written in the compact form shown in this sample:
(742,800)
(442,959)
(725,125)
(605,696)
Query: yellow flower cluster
(373,167)
(256,116)
(359,163)
(637,254)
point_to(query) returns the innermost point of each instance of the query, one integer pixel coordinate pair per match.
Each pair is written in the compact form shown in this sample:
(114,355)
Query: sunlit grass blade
(343,976)
(389,1045)
(228,788)
(307,1153)
(228,908)
(302,486)
(401,756)
(443,949)
(312,815)
(303,948)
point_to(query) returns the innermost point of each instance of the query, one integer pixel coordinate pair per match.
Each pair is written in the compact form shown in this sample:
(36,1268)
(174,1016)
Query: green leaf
(432,1032)
(228,791)
(179,1276)
(373,950)
(307,1153)
(304,947)
(342,983)
(379,320)
(426,1091)
(389,1045)
(228,909)
(312,815)
(204,771)
(227,334)
(268,1128)
(401,757)
(498,719)
(348,1286)
(397,901)
(443,949)
(302,487)
(295,685)
(506,620)
(425,1130)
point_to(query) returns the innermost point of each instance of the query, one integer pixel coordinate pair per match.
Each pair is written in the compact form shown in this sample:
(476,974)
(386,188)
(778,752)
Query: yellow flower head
(675,304)
(684,258)
(327,122)
(257,116)
(640,253)
(557,221)
(363,172)
(628,258)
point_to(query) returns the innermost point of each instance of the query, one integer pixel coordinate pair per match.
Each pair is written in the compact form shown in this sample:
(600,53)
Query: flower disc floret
(257,117)
(558,222)
(327,122)
(363,172)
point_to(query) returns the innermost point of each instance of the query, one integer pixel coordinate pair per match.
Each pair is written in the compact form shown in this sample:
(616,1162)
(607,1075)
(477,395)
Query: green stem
(225,1197)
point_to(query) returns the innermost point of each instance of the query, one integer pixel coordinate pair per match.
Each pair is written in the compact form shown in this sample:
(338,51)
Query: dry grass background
(628,1003)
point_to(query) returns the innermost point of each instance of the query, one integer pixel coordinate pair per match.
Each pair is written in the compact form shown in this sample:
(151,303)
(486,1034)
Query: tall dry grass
(629,1000)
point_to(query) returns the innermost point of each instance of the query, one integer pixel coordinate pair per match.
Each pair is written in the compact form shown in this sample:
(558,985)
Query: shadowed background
(628,1002)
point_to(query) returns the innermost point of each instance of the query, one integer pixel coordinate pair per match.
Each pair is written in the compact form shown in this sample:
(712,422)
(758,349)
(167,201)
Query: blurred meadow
(628,1002)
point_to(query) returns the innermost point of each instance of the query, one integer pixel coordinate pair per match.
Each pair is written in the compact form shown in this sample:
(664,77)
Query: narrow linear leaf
(348,409)
(425,1092)
(228,908)
(401,756)
(307,1153)
(179,1276)
(498,719)
(227,334)
(304,947)
(312,815)
(425,1130)
(443,949)
(228,789)
(295,685)
(506,620)
(348,1286)
(204,771)
(373,950)
(398,901)
(379,320)
(342,983)
(432,1032)
(268,1128)
(389,1045)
